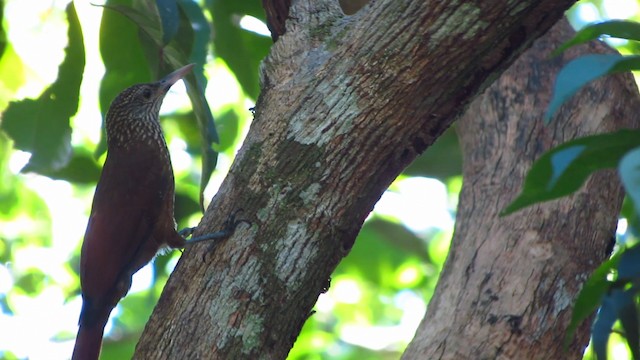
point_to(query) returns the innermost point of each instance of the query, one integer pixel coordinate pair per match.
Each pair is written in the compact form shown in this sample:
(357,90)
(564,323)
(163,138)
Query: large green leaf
(583,70)
(123,58)
(186,46)
(615,28)
(169,15)
(242,50)
(564,169)
(41,126)
(190,45)
(81,169)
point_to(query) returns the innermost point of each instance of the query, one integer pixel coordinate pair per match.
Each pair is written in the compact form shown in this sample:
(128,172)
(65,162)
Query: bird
(132,215)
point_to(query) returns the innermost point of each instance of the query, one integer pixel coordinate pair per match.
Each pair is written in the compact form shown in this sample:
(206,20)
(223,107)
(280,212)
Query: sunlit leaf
(81,169)
(380,249)
(31,282)
(629,213)
(441,160)
(564,169)
(12,75)
(590,296)
(242,50)
(3,35)
(623,29)
(41,126)
(583,70)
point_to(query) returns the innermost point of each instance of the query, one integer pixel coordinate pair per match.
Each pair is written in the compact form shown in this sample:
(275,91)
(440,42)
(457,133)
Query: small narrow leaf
(41,126)
(590,296)
(190,46)
(583,70)
(630,174)
(561,160)
(615,28)
(564,169)
(628,315)
(602,327)
(169,16)
(203,114)
(629,266)
(576,74)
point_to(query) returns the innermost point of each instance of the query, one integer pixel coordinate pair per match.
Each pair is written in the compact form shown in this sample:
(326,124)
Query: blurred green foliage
(378,292)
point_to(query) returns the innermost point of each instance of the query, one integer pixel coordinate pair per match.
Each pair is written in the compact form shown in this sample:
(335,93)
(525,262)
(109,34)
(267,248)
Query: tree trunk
(346,104)
(509,284)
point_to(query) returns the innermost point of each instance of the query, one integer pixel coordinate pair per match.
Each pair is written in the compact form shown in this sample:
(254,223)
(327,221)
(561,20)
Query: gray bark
(509,285)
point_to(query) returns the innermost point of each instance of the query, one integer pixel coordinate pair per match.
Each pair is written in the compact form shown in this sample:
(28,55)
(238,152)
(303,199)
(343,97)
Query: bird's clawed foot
(230,226)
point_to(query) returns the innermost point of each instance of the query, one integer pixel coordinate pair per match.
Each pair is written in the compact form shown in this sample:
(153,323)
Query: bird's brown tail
(88,342)
(89,339)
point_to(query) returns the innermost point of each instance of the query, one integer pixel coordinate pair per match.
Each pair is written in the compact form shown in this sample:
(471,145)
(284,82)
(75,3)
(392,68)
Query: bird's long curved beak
(172,78)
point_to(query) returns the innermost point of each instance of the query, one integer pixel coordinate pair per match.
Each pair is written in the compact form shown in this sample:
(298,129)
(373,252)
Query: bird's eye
(146,93)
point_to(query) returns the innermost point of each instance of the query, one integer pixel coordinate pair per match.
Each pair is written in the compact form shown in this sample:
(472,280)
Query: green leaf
(81,169)
(564,169)
(602,327)
(629,169)
(143,20)
(590,296)
(628,315)
(169,16)
(615,28)
(12,73)
(576,74)
(583,70)
(629,266)
(190,46)
(123,59)
(442,160)
(227,124)
(242,50)
(619,304)
(3,35)
(198,33)
(179,52)
(41,126)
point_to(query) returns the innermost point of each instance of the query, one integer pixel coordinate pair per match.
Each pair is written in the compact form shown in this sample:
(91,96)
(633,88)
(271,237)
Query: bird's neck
(125,133)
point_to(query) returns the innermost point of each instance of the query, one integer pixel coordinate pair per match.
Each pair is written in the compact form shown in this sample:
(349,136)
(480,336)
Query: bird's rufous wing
(126,207)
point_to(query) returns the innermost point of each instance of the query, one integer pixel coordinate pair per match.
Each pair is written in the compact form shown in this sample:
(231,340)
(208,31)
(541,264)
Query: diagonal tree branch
(346,104)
